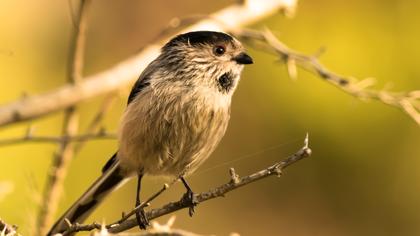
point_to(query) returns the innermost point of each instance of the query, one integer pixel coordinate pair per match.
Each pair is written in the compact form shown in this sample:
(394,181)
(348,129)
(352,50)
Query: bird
(177,112)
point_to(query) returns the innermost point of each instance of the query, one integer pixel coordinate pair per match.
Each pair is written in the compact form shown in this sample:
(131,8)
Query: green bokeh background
(363,177)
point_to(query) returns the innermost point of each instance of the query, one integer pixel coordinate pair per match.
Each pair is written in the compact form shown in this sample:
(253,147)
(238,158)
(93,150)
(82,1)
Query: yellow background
(363,177)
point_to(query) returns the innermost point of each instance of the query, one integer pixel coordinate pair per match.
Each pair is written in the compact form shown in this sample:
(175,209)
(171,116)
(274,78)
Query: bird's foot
(190,199)
(142,219)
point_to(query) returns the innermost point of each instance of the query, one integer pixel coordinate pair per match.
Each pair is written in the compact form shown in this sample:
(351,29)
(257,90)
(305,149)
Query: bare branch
(62,159)
(77,46)
(170,232)
(58,139)
(156,230)
(126,72)
(219,191)
(408,102)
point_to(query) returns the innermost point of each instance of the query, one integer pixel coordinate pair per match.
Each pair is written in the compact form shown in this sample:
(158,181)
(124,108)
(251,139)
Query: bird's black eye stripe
(219,50)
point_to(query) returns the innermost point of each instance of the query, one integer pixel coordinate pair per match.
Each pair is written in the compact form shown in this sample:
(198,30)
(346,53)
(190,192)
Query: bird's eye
(219,50)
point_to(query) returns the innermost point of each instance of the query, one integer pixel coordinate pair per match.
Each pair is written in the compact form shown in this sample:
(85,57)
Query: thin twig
(144,204)
(408,102)
(65,153)
(156,230)
(170,232)
(58,139)
(77,44)
(219,191)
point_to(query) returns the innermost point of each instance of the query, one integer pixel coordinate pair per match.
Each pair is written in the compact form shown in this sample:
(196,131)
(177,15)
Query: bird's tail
(83,207)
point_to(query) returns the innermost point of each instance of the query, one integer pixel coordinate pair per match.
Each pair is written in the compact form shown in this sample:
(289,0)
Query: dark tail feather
(82,208)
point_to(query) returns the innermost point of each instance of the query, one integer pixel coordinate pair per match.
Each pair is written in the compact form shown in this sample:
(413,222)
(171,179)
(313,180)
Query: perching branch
(156,230)
(126,72)
(170,232)
(235,182)
(65,153)
(408,102)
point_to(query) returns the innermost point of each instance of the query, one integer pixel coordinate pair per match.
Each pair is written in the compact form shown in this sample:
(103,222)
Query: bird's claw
(142,219)
(190,199)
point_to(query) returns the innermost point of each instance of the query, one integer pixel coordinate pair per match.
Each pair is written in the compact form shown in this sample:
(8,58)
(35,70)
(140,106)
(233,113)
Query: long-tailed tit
(177,113)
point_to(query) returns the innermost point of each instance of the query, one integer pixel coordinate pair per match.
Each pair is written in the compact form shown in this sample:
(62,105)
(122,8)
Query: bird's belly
(171,140)
(183,149)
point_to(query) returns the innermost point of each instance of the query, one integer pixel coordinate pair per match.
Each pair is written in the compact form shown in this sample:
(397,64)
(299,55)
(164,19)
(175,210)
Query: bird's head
(207,58)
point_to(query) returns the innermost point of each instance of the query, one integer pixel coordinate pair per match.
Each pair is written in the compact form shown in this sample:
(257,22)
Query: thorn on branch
(67,222)
(306,141)
(291,68)
(233,176)
(278,171)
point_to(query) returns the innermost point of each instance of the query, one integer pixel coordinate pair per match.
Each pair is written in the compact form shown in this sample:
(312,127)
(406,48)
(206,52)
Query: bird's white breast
(172,131)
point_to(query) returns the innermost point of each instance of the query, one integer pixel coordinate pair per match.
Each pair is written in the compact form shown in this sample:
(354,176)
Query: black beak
(243,58)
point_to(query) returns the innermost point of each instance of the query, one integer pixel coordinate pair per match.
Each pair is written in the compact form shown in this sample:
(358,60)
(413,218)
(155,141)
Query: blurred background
(363,176)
